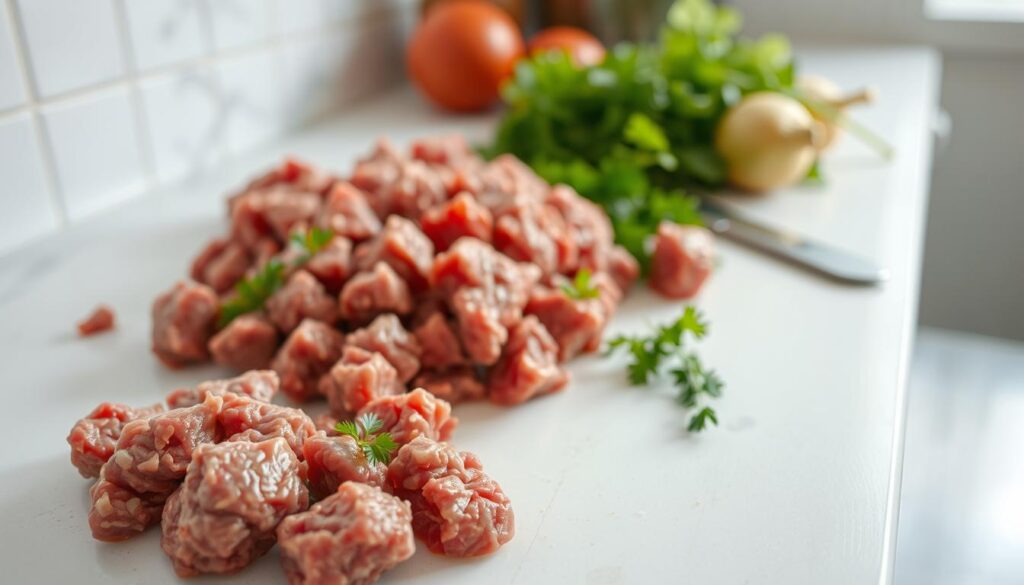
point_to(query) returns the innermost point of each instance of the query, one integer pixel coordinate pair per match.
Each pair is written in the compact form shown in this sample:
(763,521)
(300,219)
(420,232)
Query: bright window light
(975,10)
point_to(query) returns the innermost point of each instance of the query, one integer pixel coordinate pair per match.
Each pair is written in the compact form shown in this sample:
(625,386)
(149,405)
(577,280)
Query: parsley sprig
(665,349)
(252,293)
(365,429)
(581,287)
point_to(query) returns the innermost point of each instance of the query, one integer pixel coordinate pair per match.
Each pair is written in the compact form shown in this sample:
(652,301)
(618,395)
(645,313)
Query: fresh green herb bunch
(365,429)
(628,133)
(666,348)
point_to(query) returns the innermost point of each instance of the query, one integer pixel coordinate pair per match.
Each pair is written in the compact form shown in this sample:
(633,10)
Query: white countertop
(799,485)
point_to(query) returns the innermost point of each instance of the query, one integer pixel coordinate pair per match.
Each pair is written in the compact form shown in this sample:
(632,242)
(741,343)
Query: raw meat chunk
(453,385)
(300,298)
(332,265)
(357,378)
(531,231)
(462,216)
(623,268)
(225,514)
(386,336)
(220,264)
(100,320)
(683,258)
(245,419)
(407,416)
(528,366)
(259,385)
(417,188)
(402,246)
(575,324)
(307,353)
(378,170)
(458,510)
(119,513)
(247,343)
(274,212)
(370,293)
(153,453)
(480,326)
(292,173)
(588,226)
(347,213)
(440,345)
(183,323)
(350,538)
(325,423)
(94,437)
(451,150)
(331,461)
(507,177)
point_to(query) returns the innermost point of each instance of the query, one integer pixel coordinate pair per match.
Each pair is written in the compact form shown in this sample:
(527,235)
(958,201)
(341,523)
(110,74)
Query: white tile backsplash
(252,98)
(182,111)
(115,97)
(96,151)
(25,209)
(237,23)
(12,87)
(163,32)
(71,43)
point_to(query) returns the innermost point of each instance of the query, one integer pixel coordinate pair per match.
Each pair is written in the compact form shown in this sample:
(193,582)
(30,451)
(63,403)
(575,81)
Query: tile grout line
(44,147)
(143,136)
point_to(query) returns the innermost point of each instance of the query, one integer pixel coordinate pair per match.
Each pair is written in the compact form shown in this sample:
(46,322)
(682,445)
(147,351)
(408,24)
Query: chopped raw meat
(531,231)
(259,385)
(458,510)
(451,150)
(94,437)
(274,211)
(331,461)
(528,366)
(683,258)
(504,178)
(402,246)
(407,416)
(357,378)
(296,174)
(379,169)
(480,326)
(100,320)
(386,336)
(183,320)
(623,268)
(300,298)
(332,265)
(119,513)
(220,265)
(453,385)
(226,512)
(462,216)
(417,188)
(347,213)
(589,228)
(575,324)
(245,419)
(325,423)
(440,345)
(350,538)
(153,453)
(370,293)
(247,343)
(307,353)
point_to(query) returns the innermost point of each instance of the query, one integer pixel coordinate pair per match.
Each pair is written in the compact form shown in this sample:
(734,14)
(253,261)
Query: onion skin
(768,140)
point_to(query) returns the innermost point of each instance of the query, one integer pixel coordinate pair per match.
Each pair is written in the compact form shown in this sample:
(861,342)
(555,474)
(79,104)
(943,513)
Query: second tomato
(583,47)
(462,52)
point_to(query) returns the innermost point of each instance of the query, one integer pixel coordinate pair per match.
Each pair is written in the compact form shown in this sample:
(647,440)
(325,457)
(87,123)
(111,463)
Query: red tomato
(583,47)
(462,52)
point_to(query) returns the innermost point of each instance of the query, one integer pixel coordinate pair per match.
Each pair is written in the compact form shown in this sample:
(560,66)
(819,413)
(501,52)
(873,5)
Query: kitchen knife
(793,248)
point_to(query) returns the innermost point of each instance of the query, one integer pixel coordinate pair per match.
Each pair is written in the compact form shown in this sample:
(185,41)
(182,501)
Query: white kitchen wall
(973,273)
(103,100)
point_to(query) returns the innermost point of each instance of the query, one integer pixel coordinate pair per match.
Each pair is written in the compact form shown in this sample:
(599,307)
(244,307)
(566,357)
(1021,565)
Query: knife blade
(793,248)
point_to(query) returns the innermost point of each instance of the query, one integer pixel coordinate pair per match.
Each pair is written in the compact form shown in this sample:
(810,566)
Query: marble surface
(799,485)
